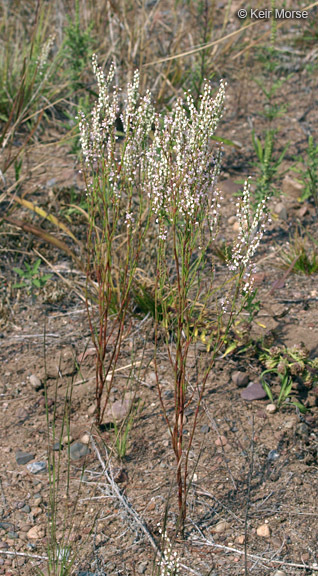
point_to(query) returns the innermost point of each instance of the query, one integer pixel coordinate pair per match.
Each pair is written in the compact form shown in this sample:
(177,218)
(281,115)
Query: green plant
(25,88)
(31,276)
(170,178)
(63,550)
(268,165)
(308,173)
(268,161)
(122,431)
(186,206)
(118,215)
(77,48)
(301,255)
(289,364)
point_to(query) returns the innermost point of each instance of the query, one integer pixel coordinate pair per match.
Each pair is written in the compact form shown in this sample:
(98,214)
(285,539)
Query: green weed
(31,276)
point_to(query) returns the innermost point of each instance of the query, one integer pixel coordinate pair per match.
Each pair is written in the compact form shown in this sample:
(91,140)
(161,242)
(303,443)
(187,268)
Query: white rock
(220,527)
(271,408)
(263,531)
(85,439)
(35,382)
(36,532)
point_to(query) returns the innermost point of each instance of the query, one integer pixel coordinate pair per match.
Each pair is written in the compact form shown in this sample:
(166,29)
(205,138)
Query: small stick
(255,556)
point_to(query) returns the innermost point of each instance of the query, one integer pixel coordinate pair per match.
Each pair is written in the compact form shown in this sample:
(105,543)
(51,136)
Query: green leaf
(20,272)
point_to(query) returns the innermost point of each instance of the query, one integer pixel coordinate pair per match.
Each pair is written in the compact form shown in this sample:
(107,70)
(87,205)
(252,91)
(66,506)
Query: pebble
(85,439)
(78,450)
(35,382)
(221,441)
(231,220)
(280,210)
(6,526)
(263,531)
(26,509)
(292,187)
(37,467)
(240,539)
(271,408)
(302,430)
(23,458)
(36,532)
(279,573)
(67,440)
(273,455)
(240,379)
(220,527)
(37,500)
(254,391)
(36,511)
(91,410)
(205,429)
(236,227)
(56,446)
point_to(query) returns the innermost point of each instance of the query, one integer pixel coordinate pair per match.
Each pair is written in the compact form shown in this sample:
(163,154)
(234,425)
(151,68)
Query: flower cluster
(117,167)
(250,232)
(182,172)
(169,563)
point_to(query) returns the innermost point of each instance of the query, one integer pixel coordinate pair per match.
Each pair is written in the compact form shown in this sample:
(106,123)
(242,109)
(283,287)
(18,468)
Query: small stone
(36,533)
(292,187)
(271,408)
(254,391)
(240,379)
(263,531)
(36,511)
(67,440)
(240,539)
(19,504)
(23,458)
(56,446)
(142,567)
(302,430)
(46,402)
(279,573)
(35,382)
(85,439)
(220,527)
(280,210)
(91,410)
(13,535)
(120,409)
(78,450)
(6,526)
(26,509)
(205,429)
(236,227)
(273,455)
(37,467)
(221,441)
(231,220)
(37,501)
